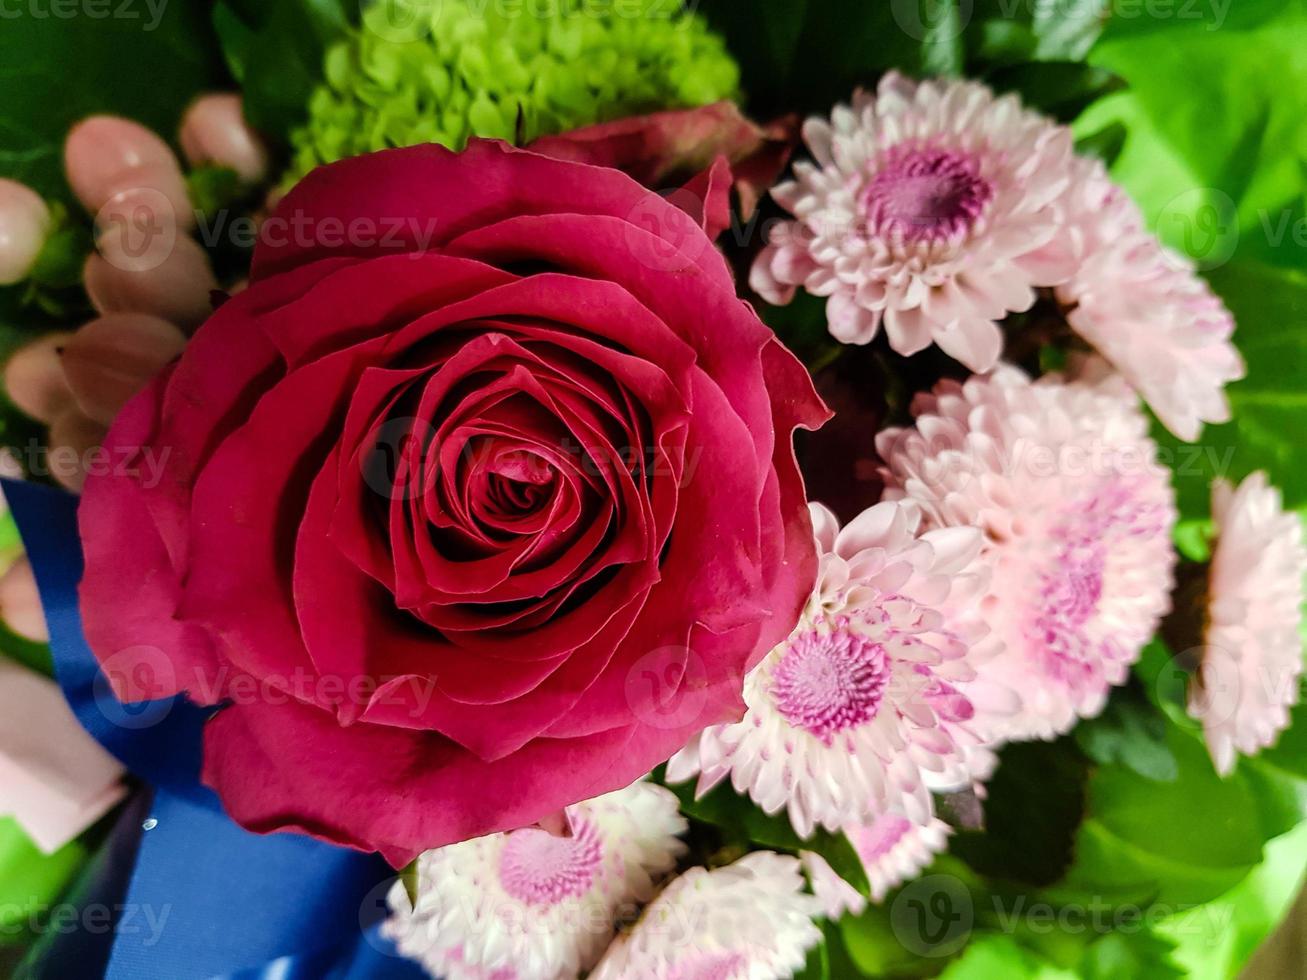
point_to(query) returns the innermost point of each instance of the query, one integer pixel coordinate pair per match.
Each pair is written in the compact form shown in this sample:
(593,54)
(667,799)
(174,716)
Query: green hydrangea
(442,71)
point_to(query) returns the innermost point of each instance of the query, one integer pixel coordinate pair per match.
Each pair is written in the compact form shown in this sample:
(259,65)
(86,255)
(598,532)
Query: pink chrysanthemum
(748,921)
(1252,655)
(892,850)
(1077,516)
(528,905)
(933,207)
(874,699)
(1145,309)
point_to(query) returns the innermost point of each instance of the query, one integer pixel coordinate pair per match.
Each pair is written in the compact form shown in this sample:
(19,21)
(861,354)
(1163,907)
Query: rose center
(518,483)
(925,195)
(828,682)
(540,869)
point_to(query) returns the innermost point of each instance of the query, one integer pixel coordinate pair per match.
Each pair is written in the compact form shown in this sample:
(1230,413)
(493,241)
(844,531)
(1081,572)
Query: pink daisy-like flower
(892,850)
(1252,656)
(528,905)
(874,699)
(750,920)
(933,207)
(1077,514)
(1145,309)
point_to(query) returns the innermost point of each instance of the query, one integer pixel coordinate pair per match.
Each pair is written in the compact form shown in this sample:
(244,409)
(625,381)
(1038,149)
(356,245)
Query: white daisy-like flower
(1077,514)
(933,207)
(529,905)
(750,920)
(874,699)
(892,850)
(1252,654)
(1145,309)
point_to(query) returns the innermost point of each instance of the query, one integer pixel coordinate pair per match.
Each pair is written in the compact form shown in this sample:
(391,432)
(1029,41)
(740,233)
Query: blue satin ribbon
(203,898)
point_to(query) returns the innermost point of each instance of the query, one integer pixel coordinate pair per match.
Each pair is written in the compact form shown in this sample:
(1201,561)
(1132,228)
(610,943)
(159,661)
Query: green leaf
(741,821)
(1269,405)
(1034,804)
(55,71)
(34,656)
(805,57)
(277,51)
(30,880)
(1216,184)
(942,49)
(991,955)
(1130,953)
(1216,940)
(1009,32)
(1131,732)
(1143,835)
(1061,89)
(817,966)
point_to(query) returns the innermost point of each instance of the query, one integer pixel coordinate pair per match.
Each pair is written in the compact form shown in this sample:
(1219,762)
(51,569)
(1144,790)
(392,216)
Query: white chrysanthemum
(1145,309)
(528,905)
(748,921)
(874,699)
(1077,516)
(933,207)
(1252,654)
(892,850)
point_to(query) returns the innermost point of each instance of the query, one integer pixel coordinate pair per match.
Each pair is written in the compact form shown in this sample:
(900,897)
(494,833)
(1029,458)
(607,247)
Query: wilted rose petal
(34,378)
(110,359)
(214,131)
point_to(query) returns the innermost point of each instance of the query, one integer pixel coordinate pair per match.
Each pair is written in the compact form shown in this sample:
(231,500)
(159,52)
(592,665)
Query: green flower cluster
(441,71)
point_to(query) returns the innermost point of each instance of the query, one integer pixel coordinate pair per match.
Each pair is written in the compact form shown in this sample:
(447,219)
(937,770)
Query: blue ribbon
(203,898)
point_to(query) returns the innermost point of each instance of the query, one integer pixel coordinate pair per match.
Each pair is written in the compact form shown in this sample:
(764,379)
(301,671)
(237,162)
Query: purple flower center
(1068,600)
(827,683)
(925,195)
(1065,632)
(540,869)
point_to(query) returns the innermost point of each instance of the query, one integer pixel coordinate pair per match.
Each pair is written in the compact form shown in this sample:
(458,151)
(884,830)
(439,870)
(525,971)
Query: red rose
(479,501)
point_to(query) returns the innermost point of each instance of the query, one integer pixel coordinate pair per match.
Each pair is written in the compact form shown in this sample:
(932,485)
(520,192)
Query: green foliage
(1034,803)
(742,823)
(805,56)
(1215,941)
(275,51)
(1215,111)
(55,71)
(460,68)
(1132,733)
(1130,953)
(1269,405)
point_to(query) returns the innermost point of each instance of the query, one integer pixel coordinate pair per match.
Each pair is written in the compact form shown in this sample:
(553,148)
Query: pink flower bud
(24,223)
(106,156)
(110,359)
(214,131)
(20,602)
(34,378)
(172,283)
(72,438)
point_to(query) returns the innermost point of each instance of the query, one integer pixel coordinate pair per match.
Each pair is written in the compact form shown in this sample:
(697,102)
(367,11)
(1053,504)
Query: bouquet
(587,488)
